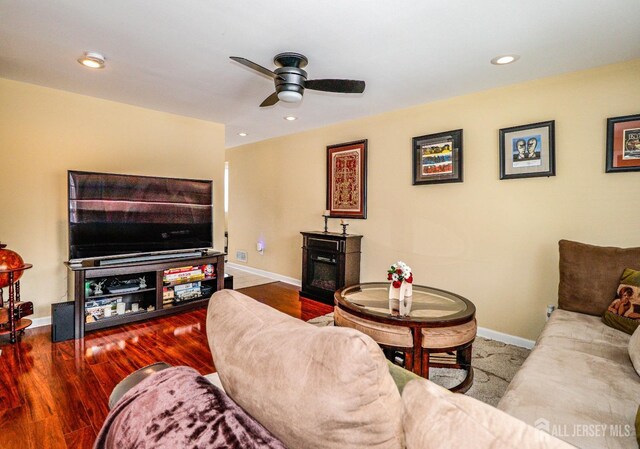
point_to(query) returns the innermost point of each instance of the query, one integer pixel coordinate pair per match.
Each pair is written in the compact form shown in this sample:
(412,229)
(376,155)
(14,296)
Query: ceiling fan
(291,81)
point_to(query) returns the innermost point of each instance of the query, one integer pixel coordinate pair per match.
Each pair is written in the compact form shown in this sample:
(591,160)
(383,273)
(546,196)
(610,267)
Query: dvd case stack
(167,295)
(184,283)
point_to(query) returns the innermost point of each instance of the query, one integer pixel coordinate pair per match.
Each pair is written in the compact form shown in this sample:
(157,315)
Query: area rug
(494,365)
(244,279)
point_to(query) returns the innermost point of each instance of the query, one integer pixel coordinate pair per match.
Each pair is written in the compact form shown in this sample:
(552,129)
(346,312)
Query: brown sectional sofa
(579,383)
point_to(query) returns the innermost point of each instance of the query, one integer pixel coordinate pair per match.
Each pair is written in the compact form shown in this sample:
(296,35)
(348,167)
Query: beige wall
(45,132)
(493,241)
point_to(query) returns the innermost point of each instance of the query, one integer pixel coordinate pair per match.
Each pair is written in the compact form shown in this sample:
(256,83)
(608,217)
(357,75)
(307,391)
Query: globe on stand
(9,260)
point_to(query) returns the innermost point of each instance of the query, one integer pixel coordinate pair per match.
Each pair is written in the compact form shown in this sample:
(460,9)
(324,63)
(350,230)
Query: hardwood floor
(55,395)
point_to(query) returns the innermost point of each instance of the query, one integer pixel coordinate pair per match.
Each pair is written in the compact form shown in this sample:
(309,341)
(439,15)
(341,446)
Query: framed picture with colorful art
(437,158)
(347,180)
(623,143)
(528,151)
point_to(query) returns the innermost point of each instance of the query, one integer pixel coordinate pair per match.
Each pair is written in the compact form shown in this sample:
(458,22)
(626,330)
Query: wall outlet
(550,309)
(241,256)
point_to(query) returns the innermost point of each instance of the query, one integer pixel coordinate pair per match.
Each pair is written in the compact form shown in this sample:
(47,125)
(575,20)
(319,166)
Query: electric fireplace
(330,261)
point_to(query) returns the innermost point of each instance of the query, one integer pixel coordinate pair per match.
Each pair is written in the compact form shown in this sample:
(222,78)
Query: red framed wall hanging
(347,180)
(623,143)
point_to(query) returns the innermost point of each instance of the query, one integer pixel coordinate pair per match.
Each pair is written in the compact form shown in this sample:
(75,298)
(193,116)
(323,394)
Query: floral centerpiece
(400,291)
(399,272)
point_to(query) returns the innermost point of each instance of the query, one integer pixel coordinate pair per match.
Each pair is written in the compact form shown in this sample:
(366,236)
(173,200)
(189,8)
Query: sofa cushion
(435,418)
(400,375)
(624,311)
(634,350)
(589,275)
(631,278)
(585,334)
(326,387)
(621,323)
(578,377)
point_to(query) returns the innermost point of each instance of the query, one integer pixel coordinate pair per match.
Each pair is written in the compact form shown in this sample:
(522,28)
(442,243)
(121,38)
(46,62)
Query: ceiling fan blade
(343,86)
(270,100)
(252,65)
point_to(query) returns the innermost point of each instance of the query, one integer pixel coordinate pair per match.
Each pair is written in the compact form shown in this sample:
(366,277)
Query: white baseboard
(505,338)
(42,321)
(267,274)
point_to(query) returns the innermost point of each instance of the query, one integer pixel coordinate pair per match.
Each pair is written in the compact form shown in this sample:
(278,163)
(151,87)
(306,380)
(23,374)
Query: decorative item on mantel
(344,225)
(401,289)
(326,215)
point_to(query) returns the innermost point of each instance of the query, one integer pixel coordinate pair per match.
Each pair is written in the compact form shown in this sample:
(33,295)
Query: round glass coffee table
(437,332)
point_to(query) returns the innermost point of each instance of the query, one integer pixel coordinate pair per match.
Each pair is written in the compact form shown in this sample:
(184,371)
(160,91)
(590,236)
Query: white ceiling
(174,55)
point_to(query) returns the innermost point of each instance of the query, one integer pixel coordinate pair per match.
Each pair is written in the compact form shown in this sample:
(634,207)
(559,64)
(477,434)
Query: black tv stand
(149,301)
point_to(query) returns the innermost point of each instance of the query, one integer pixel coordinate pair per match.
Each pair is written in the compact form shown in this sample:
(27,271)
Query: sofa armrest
(134,379)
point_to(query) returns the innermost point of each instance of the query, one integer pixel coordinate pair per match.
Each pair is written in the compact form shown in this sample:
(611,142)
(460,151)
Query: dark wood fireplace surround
(330,261)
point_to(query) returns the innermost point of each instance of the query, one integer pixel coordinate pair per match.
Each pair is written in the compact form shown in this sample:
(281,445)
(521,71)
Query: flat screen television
(112,214)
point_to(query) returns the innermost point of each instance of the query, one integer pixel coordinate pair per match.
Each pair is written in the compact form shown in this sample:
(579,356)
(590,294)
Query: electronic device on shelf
(122,289)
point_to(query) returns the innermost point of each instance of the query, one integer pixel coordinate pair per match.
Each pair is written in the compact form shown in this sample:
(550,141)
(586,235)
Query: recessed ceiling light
(290,118)
(92,60)
(242,134)
(505,59)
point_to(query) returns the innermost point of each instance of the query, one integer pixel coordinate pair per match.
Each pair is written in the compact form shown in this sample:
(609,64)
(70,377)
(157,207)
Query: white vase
(394,295)
(400,299)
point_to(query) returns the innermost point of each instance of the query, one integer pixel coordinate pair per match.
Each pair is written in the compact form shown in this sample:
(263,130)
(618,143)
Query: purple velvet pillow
(178,408)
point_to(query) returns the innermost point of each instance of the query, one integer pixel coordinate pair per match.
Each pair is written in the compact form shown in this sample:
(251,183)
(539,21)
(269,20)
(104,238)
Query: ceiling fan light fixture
(289,97)
(291,81)
(92,60)
(505,59)
(290,118)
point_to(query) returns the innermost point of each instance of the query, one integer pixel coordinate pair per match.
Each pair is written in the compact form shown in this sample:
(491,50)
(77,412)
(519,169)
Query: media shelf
(115,295)
(195,279)
(116,320)
(186,303)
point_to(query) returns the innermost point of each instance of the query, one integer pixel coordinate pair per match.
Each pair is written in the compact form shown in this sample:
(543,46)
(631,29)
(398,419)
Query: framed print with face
(347,180)
(528,151)
(623,143)
(437,158)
